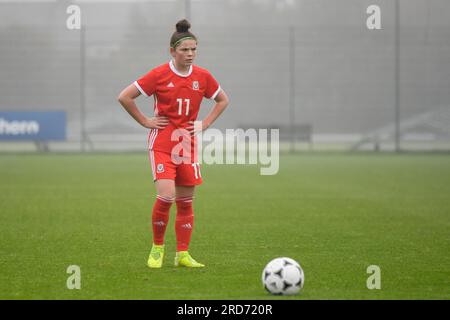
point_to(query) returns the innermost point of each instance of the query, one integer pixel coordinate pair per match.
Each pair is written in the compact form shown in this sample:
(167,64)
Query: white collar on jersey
(172,67)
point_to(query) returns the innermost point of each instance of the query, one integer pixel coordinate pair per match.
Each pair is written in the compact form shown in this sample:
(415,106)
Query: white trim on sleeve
(140,89)
(216,93)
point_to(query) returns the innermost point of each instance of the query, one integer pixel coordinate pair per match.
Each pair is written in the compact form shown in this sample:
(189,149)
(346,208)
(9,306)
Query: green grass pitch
(334,213)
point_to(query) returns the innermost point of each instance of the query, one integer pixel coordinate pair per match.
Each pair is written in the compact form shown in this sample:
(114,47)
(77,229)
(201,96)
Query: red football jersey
(176,96)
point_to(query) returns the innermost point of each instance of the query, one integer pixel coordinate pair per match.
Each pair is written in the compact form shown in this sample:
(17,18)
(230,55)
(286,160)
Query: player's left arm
(221,103)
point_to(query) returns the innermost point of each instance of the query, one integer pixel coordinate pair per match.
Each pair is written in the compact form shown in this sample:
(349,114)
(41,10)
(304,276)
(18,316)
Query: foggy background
(311,68)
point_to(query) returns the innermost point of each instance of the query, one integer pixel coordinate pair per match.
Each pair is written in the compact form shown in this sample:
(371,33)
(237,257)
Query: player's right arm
(126,99)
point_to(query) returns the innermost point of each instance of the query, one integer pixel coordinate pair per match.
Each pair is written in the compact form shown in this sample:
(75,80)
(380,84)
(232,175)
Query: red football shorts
(185,173)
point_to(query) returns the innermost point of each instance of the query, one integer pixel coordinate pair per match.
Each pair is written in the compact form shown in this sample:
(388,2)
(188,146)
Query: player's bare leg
(165,188)
(184,225)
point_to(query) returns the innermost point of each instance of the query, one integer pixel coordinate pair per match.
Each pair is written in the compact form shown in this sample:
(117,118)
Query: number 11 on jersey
(180,106)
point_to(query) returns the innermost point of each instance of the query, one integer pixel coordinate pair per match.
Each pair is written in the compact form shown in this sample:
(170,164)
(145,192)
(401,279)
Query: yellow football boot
(156,256)
(184,259)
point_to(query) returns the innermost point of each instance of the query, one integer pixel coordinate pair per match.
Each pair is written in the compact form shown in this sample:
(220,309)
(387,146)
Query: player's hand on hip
(159,122)
(195,127)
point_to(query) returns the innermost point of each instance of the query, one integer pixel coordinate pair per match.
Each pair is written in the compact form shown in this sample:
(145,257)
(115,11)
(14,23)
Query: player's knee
(184,203)
(185,200)
(167,193)
(166,197)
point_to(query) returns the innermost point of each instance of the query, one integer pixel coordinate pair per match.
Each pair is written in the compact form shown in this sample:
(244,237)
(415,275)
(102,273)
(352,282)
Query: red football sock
(160,218)
(184,222)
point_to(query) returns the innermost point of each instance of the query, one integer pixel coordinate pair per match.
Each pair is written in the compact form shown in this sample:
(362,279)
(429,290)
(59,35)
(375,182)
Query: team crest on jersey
(160,168)
(195,85)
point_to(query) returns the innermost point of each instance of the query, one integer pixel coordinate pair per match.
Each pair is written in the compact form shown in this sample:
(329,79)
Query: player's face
(185,53)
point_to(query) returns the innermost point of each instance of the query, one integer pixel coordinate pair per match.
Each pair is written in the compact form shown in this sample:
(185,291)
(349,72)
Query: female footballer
(178,88)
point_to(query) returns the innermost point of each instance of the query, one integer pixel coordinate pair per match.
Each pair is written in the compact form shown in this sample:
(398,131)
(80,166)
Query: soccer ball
(283,276)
